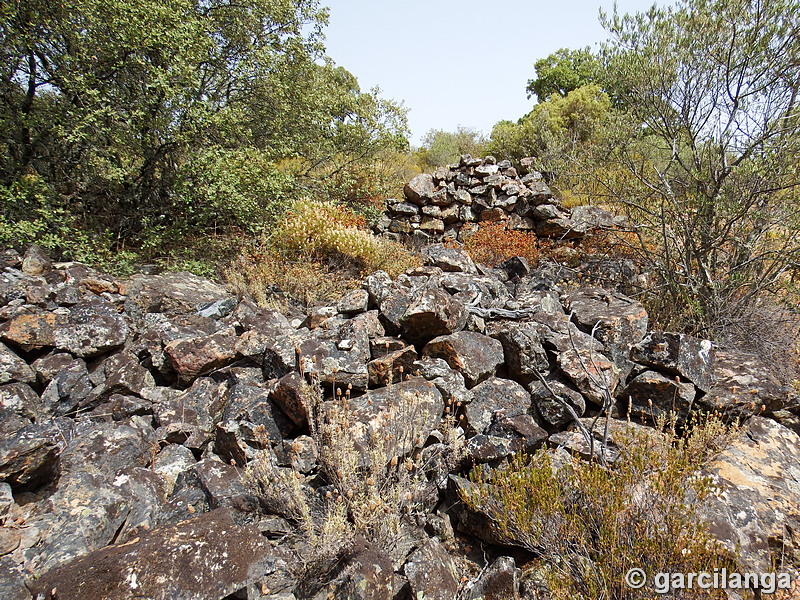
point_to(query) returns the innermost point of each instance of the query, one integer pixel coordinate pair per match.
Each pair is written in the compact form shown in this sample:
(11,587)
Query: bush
(493,243)
(368,490)
(588,525)
(325,228)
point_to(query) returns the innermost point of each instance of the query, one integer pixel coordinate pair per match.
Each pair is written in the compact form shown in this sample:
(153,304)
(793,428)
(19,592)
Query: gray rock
(552,410)
(195,356)
(36,262)
(419,188)
(365,575)
(200,559)
(13,368)
(618,321)
(678,354)
(68,388)
(744,386)
(499,582)
(354,302)
(652,396)
(758,498)
(29,456)
(593,374)
(474,355)
(523,351)
(432,313)
(493,399)
(170,462)
(171,294)
(431,572)
(392,367)
(448,259)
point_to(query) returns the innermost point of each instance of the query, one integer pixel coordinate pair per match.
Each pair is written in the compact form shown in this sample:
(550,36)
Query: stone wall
(450,203)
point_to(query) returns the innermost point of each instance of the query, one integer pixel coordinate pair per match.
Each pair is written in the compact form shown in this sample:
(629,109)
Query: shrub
(493,243)
(368,489)
(588,525)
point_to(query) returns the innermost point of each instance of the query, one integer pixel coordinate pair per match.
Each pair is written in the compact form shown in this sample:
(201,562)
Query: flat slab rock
(205,558)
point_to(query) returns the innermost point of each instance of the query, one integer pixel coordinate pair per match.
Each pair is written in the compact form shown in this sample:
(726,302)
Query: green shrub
(588,525)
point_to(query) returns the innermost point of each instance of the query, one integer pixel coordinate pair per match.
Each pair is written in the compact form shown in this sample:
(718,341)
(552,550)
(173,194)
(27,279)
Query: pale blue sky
(459,62)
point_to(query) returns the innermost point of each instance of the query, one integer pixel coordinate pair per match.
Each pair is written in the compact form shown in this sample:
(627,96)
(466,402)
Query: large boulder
(756,510)
(171,294)
(652,396)
(205,558)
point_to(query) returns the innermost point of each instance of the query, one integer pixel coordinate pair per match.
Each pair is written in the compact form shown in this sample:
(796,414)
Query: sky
(459,62)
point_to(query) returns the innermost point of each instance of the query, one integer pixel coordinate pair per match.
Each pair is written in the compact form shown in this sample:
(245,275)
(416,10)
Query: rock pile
(448,204)
(130,411)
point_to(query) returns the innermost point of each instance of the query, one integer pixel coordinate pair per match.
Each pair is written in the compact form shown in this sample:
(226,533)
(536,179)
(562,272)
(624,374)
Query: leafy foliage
(563,71)
(707,162)
(440,148)
(148,117)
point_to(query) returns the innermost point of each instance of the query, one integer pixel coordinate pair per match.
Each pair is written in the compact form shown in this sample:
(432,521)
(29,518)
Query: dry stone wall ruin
(450,203)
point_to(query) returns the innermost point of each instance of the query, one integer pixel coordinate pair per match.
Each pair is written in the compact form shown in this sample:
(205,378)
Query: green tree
(134,112)
(709,157)
(441,147)
(561,132)
(563,71)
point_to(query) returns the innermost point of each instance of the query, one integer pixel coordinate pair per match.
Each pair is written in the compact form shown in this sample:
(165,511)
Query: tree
(710,152)
(563,71)
(441,147)
(560,132)
(132,110)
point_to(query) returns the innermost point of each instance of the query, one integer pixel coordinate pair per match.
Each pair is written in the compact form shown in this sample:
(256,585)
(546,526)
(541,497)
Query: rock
(559,228)
(391,368)
(431,572)
(13,368)
(21,400)
(652,396)
(208,557)
(419,188)
(378,286)
(433,313)
(499,582)
(291,396)
(412,408)
(123,375)
(519,428)
(616,320)
(678,354)
(197,356)
(381,346)
(365,575)
(474,355)
(743,386)
(552,410)
(483,448)
(29,458)
(592,373)
(756,507)
(451,260)
(523,351)
(354,302)
(93,327)
(36,262)
(223,485)
(493,399)
(69,387)
(592,217)
(104,450)
(171,294)
(170,462)
(30,331)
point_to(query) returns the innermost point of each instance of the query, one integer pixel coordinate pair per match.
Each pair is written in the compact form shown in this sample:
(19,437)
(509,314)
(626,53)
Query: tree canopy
(136,112)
